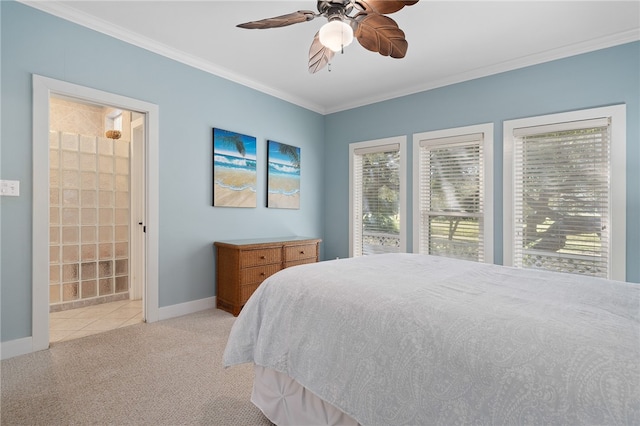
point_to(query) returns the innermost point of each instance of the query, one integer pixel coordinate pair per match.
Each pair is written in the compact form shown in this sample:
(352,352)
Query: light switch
(10,188)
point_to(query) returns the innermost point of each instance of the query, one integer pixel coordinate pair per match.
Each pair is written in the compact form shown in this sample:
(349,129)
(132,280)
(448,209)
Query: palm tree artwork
(283,177)
(234,169)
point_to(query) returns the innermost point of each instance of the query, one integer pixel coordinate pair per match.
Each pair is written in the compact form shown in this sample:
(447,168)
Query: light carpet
(166,373)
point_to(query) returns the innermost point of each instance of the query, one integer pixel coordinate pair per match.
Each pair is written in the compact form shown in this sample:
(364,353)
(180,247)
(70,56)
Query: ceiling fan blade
(379,33)
(319,55)
(280,21)
(383,6)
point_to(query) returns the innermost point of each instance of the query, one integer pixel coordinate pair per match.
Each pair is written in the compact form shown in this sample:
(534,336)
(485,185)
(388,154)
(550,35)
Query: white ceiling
(449,41)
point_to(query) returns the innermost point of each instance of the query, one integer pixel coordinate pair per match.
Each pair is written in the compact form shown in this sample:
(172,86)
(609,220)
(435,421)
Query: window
(113,119)
(453,202)
(377,171)
(565,192)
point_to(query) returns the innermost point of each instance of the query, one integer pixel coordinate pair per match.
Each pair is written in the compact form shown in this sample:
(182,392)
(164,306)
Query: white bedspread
(411,339)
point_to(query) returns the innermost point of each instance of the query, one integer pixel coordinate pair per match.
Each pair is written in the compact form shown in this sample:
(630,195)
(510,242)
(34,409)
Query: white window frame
(379,145)
(617,196)
(487,130)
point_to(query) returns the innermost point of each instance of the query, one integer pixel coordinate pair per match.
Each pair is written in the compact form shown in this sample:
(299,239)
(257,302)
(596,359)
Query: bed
(407,339)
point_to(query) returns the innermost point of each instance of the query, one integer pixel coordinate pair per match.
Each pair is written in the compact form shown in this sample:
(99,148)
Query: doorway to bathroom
(95,211)
(93,218)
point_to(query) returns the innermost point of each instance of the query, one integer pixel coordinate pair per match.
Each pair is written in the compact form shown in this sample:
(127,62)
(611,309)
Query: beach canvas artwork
(234,169)
(283,190)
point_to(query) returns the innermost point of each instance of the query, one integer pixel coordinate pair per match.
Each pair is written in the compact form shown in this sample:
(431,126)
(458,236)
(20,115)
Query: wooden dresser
(241,265)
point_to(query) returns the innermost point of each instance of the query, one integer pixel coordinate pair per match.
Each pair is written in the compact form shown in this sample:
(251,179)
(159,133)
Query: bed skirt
(286,402)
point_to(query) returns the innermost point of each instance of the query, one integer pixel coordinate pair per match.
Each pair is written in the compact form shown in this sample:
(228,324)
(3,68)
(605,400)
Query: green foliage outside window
(381,189)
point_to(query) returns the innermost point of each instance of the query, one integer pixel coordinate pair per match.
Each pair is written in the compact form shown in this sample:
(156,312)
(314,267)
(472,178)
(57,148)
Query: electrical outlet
(10,188)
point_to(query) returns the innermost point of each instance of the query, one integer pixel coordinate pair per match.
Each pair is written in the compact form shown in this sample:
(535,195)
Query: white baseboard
(16,347)
(186,308)
(22,346)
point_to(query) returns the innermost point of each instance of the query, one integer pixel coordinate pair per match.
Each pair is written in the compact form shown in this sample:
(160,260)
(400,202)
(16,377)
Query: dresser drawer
(265,256)
(295,253)
(299,262)
(246,291)
(257,274)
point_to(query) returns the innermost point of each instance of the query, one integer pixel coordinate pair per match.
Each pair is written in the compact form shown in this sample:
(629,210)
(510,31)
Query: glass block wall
(89,218)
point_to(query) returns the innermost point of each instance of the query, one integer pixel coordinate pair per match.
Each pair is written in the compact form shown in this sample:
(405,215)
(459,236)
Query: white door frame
(43,88)
(137,215)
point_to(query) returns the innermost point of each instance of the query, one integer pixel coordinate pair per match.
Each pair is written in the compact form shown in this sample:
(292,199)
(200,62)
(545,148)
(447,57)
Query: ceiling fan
(363,19)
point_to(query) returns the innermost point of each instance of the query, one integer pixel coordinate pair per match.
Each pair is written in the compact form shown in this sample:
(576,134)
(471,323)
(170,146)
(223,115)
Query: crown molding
(525,61)
(73,15)
(59,10)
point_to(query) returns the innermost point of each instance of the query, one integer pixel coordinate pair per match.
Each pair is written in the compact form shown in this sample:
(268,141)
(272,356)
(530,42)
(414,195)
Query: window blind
(451,196)
(392,147)
(561,197)
(376,200)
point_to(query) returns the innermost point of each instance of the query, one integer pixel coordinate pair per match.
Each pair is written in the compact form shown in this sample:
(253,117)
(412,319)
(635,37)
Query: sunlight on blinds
(561,193)
(451,197)
(376,180)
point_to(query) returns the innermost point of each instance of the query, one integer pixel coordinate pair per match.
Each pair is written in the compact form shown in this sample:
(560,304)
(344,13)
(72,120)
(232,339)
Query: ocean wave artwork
(234,169)
(283,175)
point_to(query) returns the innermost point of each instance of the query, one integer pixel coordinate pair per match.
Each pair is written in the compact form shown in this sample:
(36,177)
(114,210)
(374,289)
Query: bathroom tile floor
(75,323)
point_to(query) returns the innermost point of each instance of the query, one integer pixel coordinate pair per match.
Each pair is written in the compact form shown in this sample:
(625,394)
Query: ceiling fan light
(335,35)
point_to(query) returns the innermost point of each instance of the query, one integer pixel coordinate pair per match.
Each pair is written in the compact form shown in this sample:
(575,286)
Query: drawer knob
(262,257)
(301,251)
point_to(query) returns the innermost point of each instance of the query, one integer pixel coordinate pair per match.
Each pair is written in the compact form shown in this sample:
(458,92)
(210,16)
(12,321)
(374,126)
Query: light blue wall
(600,78)
(191,102)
